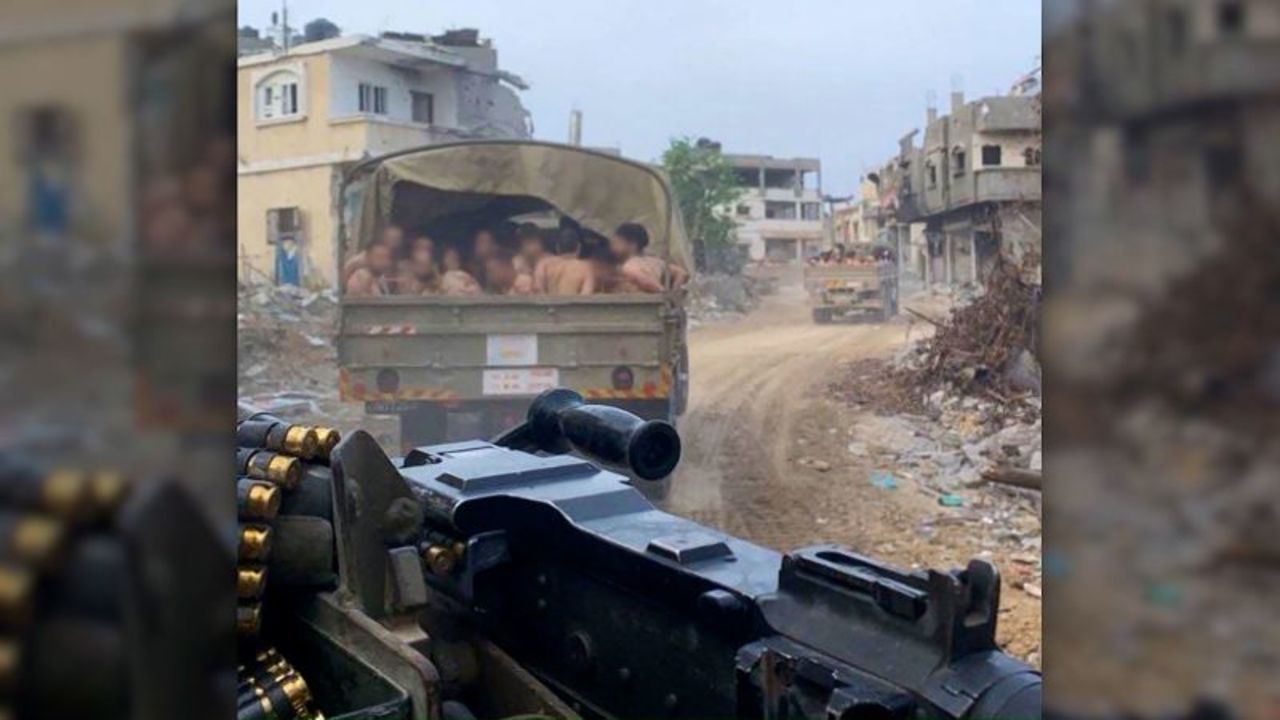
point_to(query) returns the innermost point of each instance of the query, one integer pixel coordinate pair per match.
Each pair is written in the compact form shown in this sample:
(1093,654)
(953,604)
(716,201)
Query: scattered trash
(1164,594)
(950,500)
(884,480)
(1032,589)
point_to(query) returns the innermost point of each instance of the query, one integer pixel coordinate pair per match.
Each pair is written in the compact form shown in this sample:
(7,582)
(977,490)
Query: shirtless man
(643,272)
(418,275)
(372,280)
(547,259)
(524,276)
(595,249)
(392,236)
(483,246)
(455,280)
(570,275)
(500,272)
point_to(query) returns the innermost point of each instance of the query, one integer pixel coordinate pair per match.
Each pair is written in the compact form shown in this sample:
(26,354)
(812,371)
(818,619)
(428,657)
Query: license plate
(388,407)
(523,381)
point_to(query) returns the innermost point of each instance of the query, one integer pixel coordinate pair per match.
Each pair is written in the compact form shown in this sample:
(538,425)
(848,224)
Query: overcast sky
(840,80)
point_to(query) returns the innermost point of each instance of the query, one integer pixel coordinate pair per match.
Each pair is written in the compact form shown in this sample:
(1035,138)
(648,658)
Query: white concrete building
(779,215)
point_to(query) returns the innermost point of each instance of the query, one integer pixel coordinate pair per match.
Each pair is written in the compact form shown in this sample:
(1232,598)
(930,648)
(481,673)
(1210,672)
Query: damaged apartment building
(969,192)
(1160,156)
(779,211)
(308,112)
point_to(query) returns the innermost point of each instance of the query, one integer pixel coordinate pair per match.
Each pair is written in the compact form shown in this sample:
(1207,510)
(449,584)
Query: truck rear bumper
(427,422)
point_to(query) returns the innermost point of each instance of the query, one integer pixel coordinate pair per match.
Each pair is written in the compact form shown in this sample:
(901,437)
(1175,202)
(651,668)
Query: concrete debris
(985,350)
(288,362)
(717,297)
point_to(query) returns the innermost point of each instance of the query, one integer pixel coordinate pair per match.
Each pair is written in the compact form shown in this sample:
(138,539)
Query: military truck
(852,292)
(464,367)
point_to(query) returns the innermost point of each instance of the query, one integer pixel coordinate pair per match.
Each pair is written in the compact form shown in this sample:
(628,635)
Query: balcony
(1007,184)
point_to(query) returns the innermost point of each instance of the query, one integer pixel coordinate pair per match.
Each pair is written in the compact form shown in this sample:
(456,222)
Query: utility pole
(575,127)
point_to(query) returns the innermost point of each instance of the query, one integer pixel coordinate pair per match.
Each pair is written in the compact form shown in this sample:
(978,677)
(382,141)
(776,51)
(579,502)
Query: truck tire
(822,315)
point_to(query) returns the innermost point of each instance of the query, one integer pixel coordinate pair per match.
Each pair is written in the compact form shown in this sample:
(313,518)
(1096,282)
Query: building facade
(779,213)
(75,132)
(306,116)
(862,220)
(972,183)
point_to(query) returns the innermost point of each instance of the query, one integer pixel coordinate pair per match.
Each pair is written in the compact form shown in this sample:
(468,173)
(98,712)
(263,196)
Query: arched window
(1032,156)
(279,95)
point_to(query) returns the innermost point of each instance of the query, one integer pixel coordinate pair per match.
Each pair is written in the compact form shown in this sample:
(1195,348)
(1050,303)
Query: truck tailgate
(454,348)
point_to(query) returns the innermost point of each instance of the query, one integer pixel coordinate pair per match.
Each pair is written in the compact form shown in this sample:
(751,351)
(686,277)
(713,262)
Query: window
(743,210)
(1231,17)
(279,96)
(1223,164)
(283,223)
(423,107)
(810,211)
(931,171)
(991,155)
(46,132)
(775,210)
(1177,25)
(1032,156)
(959,162)
(372,99)
(1137,156)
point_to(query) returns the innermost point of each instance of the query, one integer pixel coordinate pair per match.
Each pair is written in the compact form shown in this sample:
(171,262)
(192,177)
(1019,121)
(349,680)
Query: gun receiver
(615,609)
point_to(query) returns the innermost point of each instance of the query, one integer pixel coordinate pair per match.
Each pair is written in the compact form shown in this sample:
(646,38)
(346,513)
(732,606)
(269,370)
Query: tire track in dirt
(751,382)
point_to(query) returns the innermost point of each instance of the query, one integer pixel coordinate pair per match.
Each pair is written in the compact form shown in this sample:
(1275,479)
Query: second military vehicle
(852,291)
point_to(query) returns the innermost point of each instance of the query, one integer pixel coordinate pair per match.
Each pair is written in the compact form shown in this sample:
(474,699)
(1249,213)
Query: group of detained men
(525,260)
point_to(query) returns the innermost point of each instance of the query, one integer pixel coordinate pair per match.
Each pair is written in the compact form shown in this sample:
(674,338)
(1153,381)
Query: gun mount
(513,578)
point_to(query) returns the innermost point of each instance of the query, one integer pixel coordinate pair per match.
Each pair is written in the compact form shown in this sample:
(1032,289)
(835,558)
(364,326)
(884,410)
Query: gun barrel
(560,420)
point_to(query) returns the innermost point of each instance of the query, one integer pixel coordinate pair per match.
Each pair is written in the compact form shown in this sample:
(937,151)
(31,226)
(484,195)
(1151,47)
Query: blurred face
(531,247)
(420,243)
(452,260)
(485,245)
(422,260)
(620,247)
(393,238)
(379,259)
(500,271)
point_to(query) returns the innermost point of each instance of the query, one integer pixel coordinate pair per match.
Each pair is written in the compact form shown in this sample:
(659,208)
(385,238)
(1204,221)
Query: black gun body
(633,612)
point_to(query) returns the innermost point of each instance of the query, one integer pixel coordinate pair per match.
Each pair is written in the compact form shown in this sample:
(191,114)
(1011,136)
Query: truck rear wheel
(822,315)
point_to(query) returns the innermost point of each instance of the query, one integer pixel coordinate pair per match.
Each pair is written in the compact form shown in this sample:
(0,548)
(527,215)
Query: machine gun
(520,577)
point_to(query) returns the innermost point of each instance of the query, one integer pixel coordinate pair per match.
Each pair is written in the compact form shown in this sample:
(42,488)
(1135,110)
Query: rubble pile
(287,356)
(716,296)
(986,348)
(1195,349)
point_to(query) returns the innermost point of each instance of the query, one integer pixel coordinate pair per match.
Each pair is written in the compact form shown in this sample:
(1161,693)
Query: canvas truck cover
(597,190)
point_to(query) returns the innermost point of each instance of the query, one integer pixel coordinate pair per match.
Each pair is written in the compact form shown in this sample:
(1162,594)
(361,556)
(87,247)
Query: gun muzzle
(560,420)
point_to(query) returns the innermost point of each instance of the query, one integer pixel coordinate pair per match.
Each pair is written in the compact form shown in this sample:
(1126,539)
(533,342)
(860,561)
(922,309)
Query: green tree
(706,190)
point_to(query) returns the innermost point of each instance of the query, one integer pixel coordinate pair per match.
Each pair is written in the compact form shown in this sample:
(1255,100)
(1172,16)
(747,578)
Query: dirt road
(753,381)
(767,453)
